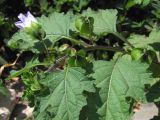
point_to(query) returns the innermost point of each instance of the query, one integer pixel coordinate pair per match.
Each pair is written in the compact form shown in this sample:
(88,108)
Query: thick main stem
(89,47)
(97,47)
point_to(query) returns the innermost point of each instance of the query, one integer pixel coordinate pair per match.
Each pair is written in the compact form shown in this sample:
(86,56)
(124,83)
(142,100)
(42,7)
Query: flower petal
(25,20)
(19,24)
(22,17)
(27,23)
(31,17)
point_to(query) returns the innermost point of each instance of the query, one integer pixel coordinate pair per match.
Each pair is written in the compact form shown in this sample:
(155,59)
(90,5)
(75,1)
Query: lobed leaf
(57,25)
(151,43)
(117,80)
(104,21)
(66,97)
(22,41)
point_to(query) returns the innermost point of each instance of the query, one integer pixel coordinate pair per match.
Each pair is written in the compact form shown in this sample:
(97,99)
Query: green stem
(77,41)
(47,52)
(97,47)
(72,40)
(123,39)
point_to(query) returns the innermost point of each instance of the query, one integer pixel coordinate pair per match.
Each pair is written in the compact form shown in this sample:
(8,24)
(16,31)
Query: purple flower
(25,20)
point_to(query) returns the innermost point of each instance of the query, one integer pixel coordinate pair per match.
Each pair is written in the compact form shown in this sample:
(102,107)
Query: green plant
(89,64)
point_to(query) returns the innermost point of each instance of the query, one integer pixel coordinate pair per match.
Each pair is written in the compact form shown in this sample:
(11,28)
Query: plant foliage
(94,60)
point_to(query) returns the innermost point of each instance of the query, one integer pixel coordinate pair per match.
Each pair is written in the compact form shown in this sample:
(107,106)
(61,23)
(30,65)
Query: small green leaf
(32,86)
(28,2)
(85,26)
(132,3)
(136,54)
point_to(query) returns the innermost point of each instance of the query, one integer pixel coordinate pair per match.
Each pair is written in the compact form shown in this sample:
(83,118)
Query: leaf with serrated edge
(141,41)
(66,97)
(104,21)
(118,80)
(57,25)
(21,40)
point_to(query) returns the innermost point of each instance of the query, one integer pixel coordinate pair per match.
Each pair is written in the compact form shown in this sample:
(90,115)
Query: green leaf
(156,8)
(28,2)
(85,26)
(32,86)
(25,42)
(21,40)
(57,25)
(80,4)
(44,5)
(153,95)
(117,80)
(136,54)
(150,43)
(66,97)
(132,3)
(104,21)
